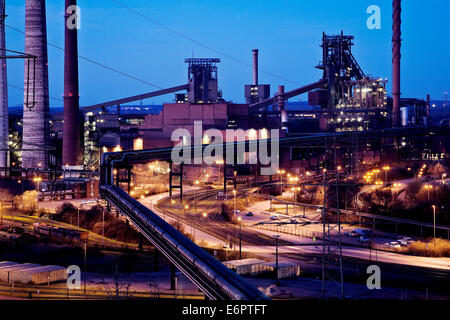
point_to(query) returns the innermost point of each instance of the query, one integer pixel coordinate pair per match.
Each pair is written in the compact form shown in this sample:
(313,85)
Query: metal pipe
(396,57)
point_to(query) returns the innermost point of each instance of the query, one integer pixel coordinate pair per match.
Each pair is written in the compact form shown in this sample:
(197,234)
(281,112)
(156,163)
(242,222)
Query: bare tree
(153,289)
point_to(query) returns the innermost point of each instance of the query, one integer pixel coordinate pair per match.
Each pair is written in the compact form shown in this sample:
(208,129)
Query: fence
(290,229)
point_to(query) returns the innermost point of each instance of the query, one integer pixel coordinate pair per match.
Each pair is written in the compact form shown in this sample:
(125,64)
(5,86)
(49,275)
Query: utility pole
(85,264)
(240,238)
(276,257)
(434,225)
(332,267)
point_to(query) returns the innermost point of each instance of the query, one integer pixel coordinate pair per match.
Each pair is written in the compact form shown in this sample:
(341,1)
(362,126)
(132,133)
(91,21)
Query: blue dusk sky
(287,33)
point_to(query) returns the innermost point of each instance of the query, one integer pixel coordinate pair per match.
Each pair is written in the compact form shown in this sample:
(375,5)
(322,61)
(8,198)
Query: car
(293,220)
(394,244)
(273,217)
(403,242)
(408,239)
(364,239)
(249,214)
(363,232)
(226,246)
(354,234)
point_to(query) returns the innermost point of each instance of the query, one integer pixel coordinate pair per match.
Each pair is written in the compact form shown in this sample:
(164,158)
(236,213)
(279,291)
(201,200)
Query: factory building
(256,92)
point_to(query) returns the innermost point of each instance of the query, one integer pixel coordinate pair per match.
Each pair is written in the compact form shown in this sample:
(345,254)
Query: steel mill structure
(35,141)
(344,99)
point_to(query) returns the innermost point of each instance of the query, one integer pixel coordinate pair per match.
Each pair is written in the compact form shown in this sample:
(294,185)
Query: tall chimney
(36,120)
(71,134)
(396,57)
(4,124)
(255,67)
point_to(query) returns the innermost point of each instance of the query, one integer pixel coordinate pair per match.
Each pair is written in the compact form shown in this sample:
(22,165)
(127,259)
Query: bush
(428,249)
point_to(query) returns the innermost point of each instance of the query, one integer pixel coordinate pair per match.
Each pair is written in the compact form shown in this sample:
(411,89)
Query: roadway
(261,242)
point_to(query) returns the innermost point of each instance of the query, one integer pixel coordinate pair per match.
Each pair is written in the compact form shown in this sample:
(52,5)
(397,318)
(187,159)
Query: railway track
(217,226)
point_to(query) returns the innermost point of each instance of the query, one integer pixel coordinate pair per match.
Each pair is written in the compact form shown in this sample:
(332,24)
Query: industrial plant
(272,189)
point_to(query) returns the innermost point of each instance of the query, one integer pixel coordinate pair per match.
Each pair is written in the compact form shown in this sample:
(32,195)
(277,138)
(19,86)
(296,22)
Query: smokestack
(36,120)
(71,134)
(428,109)
(396,57)
(4,124)
(255,67)
(281,107)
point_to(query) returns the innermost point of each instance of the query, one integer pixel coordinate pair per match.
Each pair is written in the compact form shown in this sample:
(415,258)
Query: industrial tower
(71,136)
(36,114)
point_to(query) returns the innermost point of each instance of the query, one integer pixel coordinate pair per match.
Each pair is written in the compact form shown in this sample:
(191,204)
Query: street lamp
(38,181)
(386,169)
(220,162)
(240,237)
(428,188)
(234,193)
(276,256)
(281,172)
(195,196)
(434,225)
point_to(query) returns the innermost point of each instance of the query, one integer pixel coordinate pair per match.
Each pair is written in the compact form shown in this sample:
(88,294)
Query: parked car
(405,241)
(273,217)
(249,214)
(408,239)
(393,244)
(354,234)
(293,220)
(363,232)
(364,239)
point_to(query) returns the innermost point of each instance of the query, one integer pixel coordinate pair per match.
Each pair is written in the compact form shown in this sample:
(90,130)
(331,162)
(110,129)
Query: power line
(198,42)
(20,88)
(91,61)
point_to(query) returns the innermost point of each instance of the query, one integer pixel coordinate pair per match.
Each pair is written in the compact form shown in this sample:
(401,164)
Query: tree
(27,201)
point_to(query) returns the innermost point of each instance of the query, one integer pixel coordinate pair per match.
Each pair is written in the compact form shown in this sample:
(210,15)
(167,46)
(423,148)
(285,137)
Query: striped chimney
(36,120)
